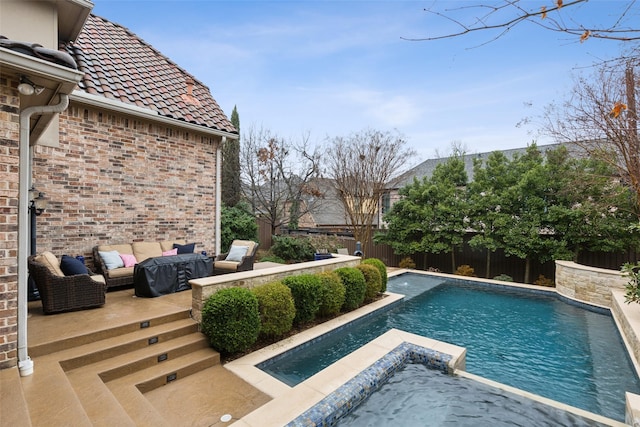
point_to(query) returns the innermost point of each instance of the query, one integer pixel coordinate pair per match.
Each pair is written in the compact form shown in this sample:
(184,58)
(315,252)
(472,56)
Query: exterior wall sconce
(28,88)
(37,203)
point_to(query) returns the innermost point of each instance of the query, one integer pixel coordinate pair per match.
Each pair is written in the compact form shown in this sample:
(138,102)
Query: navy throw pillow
(185,249)
(71,266)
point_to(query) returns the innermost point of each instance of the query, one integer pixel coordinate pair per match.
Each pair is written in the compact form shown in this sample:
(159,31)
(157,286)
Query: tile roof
(120,66)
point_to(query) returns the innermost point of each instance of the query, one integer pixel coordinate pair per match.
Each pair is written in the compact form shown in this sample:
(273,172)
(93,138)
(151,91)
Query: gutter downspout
(219,194)
(25,364)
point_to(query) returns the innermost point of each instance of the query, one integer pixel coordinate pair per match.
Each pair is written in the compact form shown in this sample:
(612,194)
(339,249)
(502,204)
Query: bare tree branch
(507,14)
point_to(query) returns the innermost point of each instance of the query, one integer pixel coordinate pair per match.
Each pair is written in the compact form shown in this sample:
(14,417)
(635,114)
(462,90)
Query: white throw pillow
(236,253)
(111,259)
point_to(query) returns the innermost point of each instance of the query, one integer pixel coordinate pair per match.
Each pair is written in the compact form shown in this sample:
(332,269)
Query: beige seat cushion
(146,250)
(120,272)
(122,249)
(98,278)
(167,245)
(52,263)
(226,265)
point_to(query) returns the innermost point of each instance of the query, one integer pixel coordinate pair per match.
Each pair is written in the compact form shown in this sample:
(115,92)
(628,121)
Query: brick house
(135,156)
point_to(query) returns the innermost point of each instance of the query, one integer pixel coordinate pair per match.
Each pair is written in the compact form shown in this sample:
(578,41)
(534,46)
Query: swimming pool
(532,341)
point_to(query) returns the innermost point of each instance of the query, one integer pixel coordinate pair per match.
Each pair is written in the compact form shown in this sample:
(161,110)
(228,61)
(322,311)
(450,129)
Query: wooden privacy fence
(500,263)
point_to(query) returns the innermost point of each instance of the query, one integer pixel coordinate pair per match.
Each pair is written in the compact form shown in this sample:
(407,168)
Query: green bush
(503,277)
(276,308)
(372,279)
(632,288)
(381,268)
(273,258)
(230,320)
(355,287)
(292,248)
(332,295)
(237,223)
(306,290)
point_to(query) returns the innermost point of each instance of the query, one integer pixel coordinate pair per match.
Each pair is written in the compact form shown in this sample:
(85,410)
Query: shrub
(372,279)
(632,271)
(504,278)
(306,290)
(407,263)
(332,295)
(381,268)
(543,281)
(276,308)
(465,270)
(237,223)
(292,248)
(230,320)
(354,286)
(272,258)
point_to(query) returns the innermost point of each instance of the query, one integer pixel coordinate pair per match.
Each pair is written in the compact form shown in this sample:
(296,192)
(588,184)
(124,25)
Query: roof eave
(82,97)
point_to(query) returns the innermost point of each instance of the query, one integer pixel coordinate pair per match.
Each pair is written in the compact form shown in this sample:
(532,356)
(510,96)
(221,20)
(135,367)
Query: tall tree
(601,118)
(523,226)
(278,176)
(360,166)
(432,215)
(231,165)
(588,208)
(486,196)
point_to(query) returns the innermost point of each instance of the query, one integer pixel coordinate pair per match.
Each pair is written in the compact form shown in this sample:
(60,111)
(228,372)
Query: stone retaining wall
(201,289)
(587,284)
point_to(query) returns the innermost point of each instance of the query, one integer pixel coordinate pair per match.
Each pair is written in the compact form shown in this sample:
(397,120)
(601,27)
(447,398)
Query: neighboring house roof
(426,168)
(118,65)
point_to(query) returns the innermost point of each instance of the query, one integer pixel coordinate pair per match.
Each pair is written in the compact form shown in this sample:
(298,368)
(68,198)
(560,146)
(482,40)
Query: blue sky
(331,68)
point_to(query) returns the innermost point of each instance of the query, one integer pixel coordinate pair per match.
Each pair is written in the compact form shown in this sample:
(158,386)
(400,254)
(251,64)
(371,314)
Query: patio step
(102,333)
(101,377)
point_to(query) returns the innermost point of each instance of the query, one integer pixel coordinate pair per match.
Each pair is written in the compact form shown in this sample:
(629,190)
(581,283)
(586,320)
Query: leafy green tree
(231,165)
(432,214)
(237,222)
(486,193)
(524,228)
(589,209)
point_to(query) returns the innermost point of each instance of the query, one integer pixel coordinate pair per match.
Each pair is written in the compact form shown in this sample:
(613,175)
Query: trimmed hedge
(372,279)
(306,290)
(332,296)
(276,308)
(355,287)
(230,320)
(381,268)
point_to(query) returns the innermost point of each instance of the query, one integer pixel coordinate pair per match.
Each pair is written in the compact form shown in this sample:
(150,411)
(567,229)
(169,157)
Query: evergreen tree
(231,166)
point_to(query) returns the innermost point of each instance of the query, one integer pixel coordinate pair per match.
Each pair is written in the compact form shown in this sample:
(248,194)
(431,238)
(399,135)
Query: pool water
(532,341)
(418,396)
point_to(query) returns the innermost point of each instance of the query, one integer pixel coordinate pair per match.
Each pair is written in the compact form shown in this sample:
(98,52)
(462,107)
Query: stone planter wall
(588,284)
(201,289)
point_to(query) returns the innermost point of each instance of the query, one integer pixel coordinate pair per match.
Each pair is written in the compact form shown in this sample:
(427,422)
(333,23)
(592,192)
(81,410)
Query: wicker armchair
(222,266)
(66,293)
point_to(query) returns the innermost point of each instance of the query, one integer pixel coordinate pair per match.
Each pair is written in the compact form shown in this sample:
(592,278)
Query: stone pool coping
(290,402)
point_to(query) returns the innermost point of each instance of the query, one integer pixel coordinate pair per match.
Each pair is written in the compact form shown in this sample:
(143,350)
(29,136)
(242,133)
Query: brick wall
(9,156)
(118,179)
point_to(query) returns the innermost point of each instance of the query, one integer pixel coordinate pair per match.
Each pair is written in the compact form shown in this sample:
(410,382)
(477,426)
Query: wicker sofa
(123,276)
(60,293)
